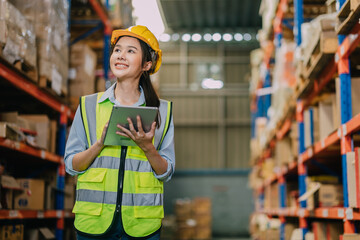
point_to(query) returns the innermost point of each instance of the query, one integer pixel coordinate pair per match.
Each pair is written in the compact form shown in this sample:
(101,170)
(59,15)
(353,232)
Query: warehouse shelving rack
(25,85)
(342,136)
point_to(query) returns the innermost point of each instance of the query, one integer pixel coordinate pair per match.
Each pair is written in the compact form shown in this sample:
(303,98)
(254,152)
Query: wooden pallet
(348,16)
(321,54)
(46,83)
(27,69)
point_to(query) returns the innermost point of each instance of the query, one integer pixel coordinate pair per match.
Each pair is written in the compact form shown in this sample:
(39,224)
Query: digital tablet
(120,114)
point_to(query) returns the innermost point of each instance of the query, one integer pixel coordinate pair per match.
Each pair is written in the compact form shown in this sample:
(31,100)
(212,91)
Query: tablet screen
(120,114)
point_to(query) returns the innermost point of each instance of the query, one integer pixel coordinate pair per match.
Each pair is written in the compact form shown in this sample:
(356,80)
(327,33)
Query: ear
(147,66)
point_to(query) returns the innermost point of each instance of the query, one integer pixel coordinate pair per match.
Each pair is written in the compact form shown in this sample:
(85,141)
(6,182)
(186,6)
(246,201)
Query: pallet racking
(53,105)
(349,40)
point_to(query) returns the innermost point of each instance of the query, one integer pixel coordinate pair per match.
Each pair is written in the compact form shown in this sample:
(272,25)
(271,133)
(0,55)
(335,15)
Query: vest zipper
(121,178)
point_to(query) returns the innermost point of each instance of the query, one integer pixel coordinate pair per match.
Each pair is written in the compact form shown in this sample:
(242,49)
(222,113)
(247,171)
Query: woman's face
(126,58)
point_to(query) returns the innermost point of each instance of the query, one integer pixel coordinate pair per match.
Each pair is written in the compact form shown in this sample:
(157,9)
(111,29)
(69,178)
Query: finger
(153,127)
(140,129)
(122,134)
(131,126)
(124,130)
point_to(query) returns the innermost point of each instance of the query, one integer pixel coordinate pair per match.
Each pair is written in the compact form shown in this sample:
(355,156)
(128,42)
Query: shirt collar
(110,94)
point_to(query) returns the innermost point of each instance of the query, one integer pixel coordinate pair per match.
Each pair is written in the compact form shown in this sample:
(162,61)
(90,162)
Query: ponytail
(151,98)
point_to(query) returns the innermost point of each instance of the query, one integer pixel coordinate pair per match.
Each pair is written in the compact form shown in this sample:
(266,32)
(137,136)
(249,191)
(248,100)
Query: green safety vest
(109,186)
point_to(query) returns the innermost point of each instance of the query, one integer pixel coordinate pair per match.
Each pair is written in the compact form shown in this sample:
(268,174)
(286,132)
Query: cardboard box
(33,196)
(202,220)
(357,175)
(289,228)
(355,96)
(326,122)
(351,179)
(53,136)
(283,153)
(202,233)
(272,234)
(12,232)
(11,131)
(41,124)
(351,237)
(9,185)
(322,195)
(327,230)
(39,234)
(201,205)
(69,198)
(183,209)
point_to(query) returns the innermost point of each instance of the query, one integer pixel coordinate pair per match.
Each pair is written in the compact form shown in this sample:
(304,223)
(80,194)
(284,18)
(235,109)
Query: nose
(121,55)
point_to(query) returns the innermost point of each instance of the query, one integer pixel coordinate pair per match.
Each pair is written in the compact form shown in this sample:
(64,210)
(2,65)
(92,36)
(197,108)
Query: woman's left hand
(140,137)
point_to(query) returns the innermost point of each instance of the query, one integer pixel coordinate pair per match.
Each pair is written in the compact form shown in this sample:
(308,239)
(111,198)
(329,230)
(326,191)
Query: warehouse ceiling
(211,15)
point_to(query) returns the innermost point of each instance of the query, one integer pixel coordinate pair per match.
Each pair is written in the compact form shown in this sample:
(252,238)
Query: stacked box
(3,27)
(327,230)
(51,22)
(17,35)
(322,191)
(82,73)
(283,154)
(12,232)
(201,210)
(185,224)
(33,196)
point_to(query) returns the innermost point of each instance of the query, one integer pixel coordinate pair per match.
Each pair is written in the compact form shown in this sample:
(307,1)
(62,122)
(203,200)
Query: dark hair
(151,98)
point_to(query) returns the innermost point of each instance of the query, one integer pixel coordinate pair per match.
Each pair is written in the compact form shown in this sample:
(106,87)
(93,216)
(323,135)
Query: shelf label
(310,152)
(342,50)
(322,143)
(344,129)
(336,57)
(349,214)
(13,213)
(300,160)
(325,213)
(42,154)
(341,213)
(58,213)
(339,132)
(40,214)
(301,212)
(17,145)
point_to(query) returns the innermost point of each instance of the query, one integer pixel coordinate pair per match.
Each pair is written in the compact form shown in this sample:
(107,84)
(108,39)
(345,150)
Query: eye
(131,51)
(116,50)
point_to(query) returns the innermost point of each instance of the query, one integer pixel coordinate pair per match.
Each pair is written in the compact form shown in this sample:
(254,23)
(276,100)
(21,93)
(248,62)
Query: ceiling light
(210,83)
(196,37)
(216,37)
(238,37)
(207,37)
(165,37)
(247,37)
(186,37)
(175,37)
(227,37)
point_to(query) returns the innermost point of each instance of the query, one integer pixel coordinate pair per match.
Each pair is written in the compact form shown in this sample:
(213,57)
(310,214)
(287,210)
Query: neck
(127,92)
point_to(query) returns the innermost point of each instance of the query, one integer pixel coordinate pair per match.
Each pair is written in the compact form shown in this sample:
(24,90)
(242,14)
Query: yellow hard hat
(144,34)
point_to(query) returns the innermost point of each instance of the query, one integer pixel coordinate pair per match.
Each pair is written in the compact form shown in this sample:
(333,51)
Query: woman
(120,189)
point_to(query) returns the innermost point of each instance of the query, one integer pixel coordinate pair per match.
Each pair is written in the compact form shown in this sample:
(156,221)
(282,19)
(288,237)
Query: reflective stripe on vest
(96,195)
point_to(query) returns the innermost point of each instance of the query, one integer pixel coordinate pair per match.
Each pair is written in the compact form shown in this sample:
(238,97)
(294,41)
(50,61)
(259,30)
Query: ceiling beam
(221,13)
(245,11)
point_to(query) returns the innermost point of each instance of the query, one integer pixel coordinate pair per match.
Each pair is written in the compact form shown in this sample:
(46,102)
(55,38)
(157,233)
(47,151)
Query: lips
(121,65)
